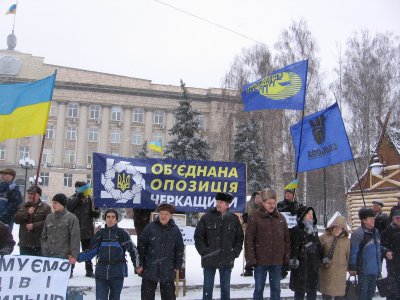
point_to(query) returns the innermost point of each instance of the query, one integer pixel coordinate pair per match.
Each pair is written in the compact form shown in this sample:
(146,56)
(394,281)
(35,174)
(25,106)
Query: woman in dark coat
(161,251)
(306,254)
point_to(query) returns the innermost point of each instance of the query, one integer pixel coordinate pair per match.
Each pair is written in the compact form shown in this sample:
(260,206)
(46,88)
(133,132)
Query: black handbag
(351,288)
(387,286)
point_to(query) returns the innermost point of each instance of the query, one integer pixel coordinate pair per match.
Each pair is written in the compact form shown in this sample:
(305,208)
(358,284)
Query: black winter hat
(224,196)
(60,198)
(32,190)
(302,211)
(364,213)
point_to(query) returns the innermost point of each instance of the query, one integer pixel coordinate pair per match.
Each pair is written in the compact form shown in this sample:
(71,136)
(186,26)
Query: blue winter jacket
(110,245)
(365,251)
(10,199)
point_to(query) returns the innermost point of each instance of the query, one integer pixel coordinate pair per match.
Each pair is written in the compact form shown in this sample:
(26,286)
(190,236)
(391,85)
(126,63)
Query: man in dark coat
(31,217)
(289,203)
(10,197)
(381,219)
(161,251)
(218,239)
(306,255)
(6,240)
(391,244)
(81,205)
(110,244)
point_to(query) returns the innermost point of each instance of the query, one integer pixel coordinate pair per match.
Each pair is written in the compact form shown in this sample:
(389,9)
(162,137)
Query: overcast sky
(147,39)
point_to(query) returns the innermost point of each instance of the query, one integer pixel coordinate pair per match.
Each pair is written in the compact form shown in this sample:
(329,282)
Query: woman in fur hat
(306,254)
(335,244)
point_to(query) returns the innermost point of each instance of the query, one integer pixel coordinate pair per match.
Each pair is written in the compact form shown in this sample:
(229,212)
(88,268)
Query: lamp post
(33,179)
(26,163)
(376,165)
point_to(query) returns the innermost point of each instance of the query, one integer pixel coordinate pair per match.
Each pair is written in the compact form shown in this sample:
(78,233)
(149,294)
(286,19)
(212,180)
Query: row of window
(116,113)
(67,179)
(94,135)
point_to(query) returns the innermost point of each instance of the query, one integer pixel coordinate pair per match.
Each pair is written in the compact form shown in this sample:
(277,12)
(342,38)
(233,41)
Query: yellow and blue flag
(24,108)
(156,146)
(324,140)
(283,89)
(292,185)
(12,10)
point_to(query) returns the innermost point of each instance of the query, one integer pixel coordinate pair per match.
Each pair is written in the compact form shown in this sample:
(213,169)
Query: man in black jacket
(289,204)
(80,204)
(161,251)
(218,239)
(381,219)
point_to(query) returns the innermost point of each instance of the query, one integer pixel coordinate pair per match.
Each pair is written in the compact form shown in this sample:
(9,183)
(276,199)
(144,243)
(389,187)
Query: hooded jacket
(306,248)
(333,279)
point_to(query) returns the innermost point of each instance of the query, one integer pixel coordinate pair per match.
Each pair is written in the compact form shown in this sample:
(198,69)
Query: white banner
(33,277)
(291,220)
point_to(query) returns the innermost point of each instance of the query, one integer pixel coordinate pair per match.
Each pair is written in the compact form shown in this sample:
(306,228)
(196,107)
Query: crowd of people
(316,262)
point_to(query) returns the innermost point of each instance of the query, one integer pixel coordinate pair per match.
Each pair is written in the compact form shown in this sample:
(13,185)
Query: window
(115,136)
(44,198)
(158,137)
(89,159)
(158,117)
(116,113)
(200,119)
(137,137)
(2,152)
(94,112)
(138,114)
(23,152)
(68,179)
(47,155)
(73,110)
(69,156)
(114,153)
(50,131)
(89,178)
(93,135)
(45,178)
(71,133)
(53,110)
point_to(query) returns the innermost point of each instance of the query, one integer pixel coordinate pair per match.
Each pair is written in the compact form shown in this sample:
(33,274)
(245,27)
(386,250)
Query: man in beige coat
(335,244)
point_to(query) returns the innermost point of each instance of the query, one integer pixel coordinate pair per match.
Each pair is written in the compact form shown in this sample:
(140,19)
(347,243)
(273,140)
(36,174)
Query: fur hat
(8,171)
(378,203)
(60,198)
(364,213)
(32,190)
(289,191)
(224,196)
(166,207)
(268,194)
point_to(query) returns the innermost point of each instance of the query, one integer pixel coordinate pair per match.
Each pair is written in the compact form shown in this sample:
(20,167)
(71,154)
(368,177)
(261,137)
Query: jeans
(148,290)
(225,282)
(260,275)
(310,295)
(109,289)
(367,286)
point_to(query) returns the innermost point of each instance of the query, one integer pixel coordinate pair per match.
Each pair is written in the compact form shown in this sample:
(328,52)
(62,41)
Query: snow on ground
(241,287)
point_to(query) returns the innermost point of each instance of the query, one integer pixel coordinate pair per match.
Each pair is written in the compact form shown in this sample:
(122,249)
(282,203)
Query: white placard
(188,234)
(291,220)
(33,277)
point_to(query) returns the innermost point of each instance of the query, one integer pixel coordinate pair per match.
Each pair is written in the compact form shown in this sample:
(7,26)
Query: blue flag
(324,140)
(283,89)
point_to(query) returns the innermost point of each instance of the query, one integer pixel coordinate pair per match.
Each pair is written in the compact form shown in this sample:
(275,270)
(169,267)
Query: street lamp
(33,179)
(376,166)
(26,163)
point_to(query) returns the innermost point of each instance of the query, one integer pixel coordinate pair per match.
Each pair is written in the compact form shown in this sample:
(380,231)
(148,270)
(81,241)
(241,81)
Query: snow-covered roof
(393,135)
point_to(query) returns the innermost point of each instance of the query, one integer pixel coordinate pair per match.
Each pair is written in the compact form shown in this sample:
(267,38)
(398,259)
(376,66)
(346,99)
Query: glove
(293,263)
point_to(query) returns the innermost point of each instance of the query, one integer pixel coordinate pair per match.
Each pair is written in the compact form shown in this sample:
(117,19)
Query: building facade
(106,113)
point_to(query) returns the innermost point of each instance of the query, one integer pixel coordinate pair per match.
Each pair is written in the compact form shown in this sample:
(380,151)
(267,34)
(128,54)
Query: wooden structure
(384,187)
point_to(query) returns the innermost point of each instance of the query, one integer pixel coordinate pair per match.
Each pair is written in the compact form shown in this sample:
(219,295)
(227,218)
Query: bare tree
(370,85)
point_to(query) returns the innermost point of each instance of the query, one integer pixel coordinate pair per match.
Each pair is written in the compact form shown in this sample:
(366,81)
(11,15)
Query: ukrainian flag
(12,10)
(292,185)
(156,146)
(24,108)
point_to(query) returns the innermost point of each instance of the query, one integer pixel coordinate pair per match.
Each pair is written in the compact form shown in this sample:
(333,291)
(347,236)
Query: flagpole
(301,128)
(15,15)
(40,162)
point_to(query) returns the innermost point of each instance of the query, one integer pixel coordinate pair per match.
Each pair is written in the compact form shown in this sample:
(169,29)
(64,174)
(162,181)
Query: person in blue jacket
(10,197)
(365,254)
(109,245)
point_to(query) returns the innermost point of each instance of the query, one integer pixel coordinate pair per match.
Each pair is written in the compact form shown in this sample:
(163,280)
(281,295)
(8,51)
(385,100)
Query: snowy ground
(241,287)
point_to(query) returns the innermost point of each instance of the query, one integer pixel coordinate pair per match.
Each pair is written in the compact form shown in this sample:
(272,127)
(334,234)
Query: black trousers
(326,297)
(148,290)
